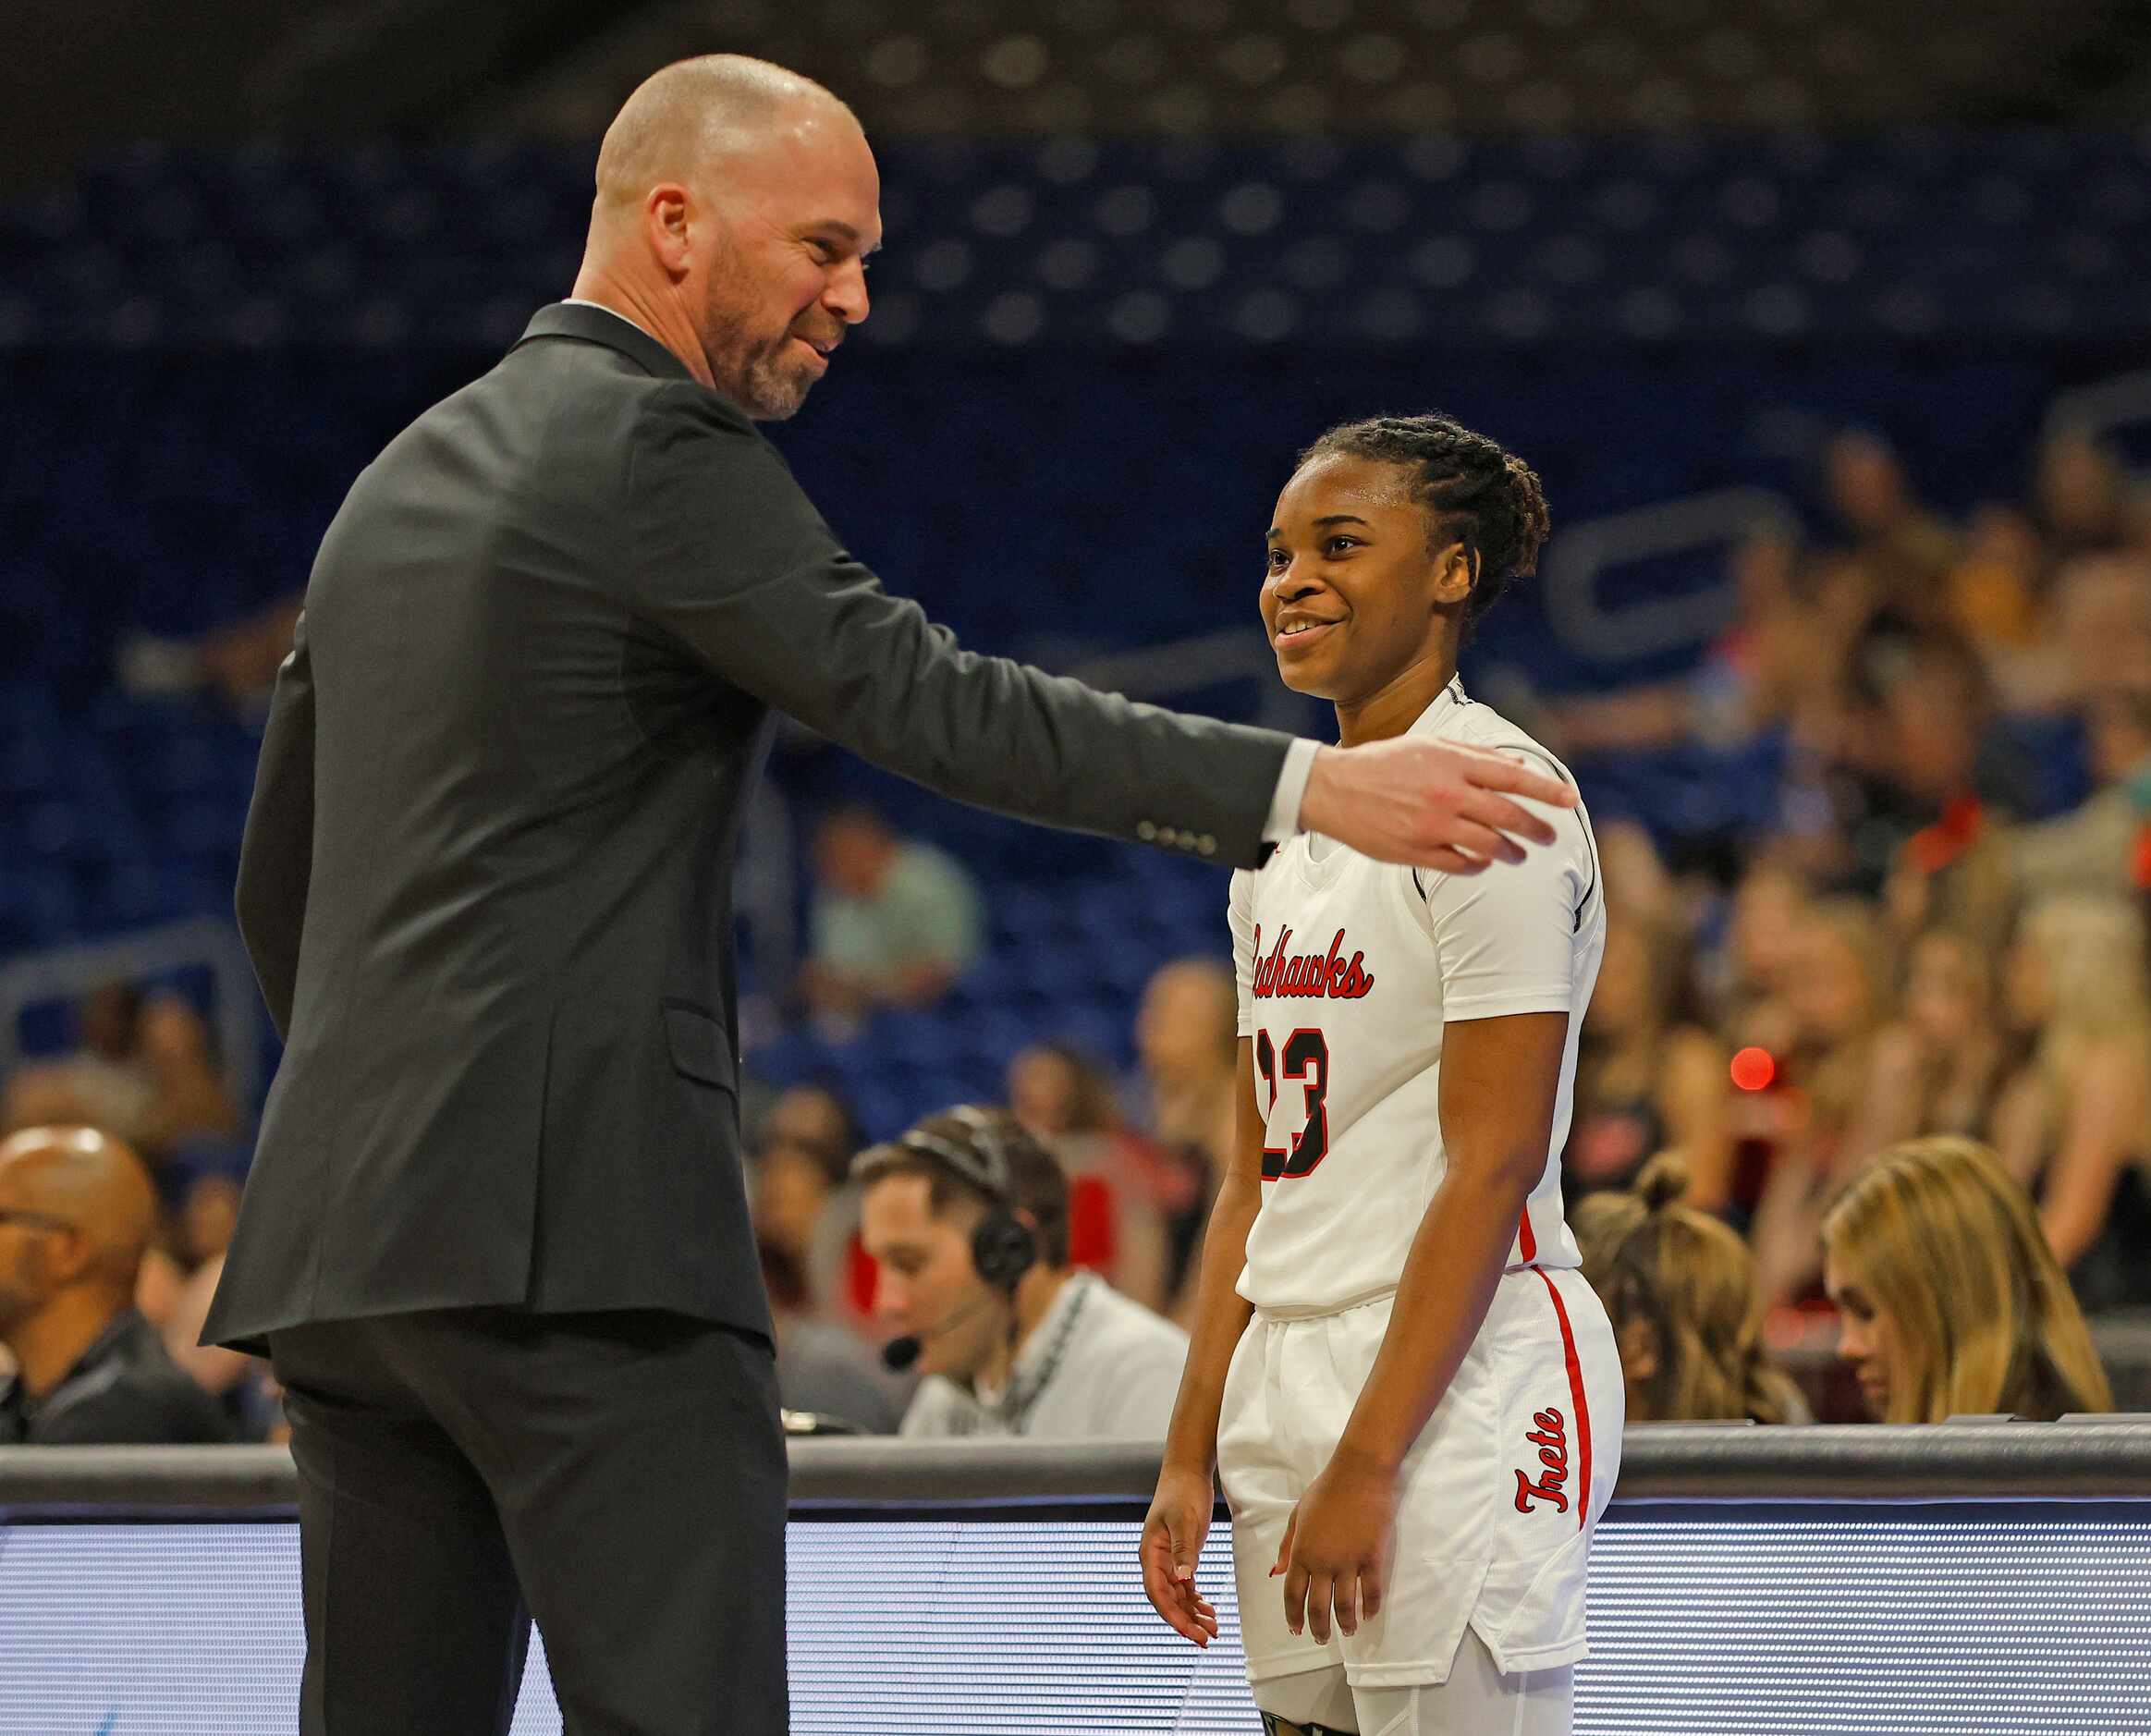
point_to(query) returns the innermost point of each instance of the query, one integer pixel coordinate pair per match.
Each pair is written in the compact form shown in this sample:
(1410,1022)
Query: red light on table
(1753,1070)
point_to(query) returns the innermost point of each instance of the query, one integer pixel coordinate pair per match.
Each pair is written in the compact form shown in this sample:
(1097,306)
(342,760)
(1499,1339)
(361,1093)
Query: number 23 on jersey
(1305,1063)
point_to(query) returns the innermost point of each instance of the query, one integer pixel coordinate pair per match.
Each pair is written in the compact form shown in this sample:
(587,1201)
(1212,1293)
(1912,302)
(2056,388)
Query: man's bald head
(695,115)
(736,205)
(82,1181)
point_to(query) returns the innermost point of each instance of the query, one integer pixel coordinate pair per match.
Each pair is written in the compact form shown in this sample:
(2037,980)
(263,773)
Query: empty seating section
(1645,239)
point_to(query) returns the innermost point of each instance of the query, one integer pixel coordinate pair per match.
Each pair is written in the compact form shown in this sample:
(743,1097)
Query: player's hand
(1336,1553)
(1432,804)
(1173,1539)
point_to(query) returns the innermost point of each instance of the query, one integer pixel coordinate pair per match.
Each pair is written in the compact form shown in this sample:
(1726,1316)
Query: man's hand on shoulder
(1433,805)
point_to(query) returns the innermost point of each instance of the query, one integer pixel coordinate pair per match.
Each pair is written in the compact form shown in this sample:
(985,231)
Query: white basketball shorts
(1496,1499)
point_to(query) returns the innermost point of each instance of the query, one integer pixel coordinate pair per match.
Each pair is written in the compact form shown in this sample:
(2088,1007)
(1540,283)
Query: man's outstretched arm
(734,562)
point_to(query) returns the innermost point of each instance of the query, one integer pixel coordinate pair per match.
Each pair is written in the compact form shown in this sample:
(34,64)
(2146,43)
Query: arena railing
(1971,1460)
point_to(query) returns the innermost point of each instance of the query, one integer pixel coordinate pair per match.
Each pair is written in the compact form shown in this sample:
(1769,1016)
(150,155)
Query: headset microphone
(898,1354)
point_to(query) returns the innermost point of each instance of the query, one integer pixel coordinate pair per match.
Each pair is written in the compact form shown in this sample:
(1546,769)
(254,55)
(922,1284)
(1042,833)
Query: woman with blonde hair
(1951,1302)
(2075,1124)
(1680,1289)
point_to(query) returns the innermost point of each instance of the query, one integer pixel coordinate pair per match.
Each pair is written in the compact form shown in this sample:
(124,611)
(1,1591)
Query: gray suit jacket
(486,875)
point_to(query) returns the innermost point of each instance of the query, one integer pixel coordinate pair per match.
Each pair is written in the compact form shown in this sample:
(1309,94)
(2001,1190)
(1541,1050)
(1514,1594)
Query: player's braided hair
(1476,492)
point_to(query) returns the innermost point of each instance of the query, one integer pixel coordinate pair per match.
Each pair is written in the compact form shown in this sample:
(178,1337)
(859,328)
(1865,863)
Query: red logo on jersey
(1551,1439)
(1309,975)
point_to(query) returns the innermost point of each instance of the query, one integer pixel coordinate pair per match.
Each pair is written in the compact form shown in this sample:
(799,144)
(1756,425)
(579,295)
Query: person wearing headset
(966,1217)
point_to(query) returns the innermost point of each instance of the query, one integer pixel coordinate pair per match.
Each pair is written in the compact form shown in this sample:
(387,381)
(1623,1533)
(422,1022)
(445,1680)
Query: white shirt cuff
(1284,821)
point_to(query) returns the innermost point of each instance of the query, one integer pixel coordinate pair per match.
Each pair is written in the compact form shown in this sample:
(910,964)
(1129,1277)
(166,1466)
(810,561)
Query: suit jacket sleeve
(735,561)
(277,857)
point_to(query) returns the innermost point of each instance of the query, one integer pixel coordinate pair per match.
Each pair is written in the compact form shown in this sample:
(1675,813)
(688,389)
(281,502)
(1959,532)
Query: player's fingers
(1348,1607)
(1369,1592)
(1285,1547)
(1295,1599)
(1497,771)
(1505,815)
(1319,1595)
(1167,1595)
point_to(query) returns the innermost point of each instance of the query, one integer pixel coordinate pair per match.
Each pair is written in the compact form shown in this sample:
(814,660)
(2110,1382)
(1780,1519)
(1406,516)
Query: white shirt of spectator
(1349,969)
(1115,1377)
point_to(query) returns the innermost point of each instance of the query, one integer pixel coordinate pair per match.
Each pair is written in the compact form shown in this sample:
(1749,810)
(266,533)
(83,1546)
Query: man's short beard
(755,374)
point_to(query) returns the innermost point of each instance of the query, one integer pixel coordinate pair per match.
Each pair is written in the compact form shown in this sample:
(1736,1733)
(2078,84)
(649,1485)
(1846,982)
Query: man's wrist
(1285,821)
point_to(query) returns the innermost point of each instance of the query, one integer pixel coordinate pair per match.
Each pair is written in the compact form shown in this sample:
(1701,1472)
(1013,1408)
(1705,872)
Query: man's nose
(846,295)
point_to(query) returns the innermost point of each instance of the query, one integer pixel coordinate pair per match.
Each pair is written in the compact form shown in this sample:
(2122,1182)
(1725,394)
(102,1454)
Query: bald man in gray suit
(496,1237)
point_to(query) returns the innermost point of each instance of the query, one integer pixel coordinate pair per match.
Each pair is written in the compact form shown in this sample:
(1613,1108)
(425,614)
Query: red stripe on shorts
(1527,1243)
(1575,1398)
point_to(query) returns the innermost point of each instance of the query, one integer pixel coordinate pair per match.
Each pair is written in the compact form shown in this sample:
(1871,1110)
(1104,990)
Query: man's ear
(69,1258)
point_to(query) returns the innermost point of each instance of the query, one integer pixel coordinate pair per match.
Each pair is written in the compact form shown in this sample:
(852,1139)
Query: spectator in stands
(802,1152)
(1838,995)
(76,1211)
(1187,1043)
(816,1116)
(2101,848)
(1122,1187)
(1995,588)
(239,1383)
(1902,549)
(1949,864)
(1648,1074)
(1940,1066)
(2099,636)
(1679,1285)
(894,922)
(105,1083)
(1751,977)
(792,1184)
(822,1366)
(1951,1300)
(1752,677)
(144,1072)
(805,1213)
(2074,1123)
(2084,498)
(967,1216)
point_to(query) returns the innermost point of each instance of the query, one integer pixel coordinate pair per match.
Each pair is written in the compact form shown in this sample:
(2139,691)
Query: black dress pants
(619,1476)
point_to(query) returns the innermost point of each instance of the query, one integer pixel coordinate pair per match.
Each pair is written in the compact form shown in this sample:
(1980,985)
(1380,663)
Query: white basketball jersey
(1348,968)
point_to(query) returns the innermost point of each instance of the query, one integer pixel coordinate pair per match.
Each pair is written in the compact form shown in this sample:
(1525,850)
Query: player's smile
(1297,631)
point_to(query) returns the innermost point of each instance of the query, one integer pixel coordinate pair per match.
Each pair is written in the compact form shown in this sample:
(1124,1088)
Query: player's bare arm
(1500,1080)
(1179,1513)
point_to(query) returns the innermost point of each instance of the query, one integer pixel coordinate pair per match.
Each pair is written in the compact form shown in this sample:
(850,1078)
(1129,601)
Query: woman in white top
(1412,1396)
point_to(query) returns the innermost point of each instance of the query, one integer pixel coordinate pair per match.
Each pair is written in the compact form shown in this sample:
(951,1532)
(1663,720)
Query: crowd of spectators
(1882,1071)
(1916,969)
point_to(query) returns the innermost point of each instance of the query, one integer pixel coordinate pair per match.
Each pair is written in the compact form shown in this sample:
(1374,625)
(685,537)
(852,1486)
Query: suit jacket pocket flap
(701,1048)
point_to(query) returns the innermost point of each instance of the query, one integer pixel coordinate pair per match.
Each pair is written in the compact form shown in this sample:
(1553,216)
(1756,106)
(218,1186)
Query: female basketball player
(1410,1393)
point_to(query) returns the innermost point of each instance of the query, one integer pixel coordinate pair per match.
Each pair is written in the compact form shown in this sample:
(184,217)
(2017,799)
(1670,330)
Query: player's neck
(1398,702)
